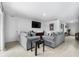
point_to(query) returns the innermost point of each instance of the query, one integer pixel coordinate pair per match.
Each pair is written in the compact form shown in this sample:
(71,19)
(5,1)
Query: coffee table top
(33,37)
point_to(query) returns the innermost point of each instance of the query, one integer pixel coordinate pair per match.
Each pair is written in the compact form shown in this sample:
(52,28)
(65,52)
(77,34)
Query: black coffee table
(37,43)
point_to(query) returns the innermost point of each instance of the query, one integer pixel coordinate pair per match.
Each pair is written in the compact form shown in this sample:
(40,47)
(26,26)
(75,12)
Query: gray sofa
(54,40)
(25,40)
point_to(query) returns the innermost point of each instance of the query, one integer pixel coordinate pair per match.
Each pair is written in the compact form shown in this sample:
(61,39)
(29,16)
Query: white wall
(16,24)
(10,29)
(2,40)
(56,23)
(74,27)
(26,25)
(0,28)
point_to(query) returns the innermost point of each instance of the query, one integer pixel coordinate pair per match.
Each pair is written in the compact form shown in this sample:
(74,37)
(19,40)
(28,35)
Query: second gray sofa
(54,40)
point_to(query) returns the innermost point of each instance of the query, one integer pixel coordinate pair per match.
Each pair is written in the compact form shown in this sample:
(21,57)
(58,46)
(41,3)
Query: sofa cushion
(50,38)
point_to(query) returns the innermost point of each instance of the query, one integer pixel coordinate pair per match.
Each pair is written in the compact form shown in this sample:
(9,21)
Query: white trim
(2,31)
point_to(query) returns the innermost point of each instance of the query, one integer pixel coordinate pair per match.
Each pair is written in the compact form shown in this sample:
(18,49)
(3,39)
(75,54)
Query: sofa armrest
(23,40)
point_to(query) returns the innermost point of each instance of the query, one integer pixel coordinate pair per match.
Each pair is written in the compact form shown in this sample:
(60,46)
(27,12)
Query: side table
(37,43)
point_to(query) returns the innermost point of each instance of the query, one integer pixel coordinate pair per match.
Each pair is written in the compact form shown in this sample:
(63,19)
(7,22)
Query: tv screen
(36,24)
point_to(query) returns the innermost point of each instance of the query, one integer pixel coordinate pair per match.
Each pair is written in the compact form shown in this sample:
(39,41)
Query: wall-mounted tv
(36,24)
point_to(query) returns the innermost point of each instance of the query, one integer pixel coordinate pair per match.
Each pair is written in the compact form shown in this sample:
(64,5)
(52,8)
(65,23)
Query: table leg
(36,49)
(31,45)
(38,45)
(43,46)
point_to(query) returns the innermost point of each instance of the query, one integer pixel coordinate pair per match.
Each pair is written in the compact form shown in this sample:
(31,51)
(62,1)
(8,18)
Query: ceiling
(43,10)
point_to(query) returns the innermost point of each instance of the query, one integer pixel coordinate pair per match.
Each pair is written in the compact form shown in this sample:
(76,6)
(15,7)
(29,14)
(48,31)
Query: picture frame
(51,27)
